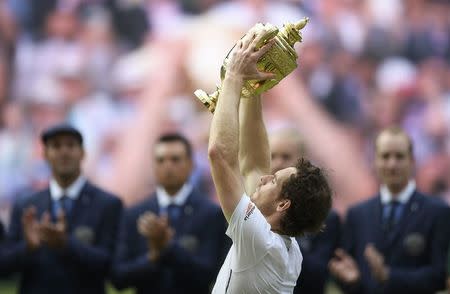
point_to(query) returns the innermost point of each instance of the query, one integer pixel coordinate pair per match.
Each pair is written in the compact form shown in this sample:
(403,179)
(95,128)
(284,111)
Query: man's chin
(396,185)
(65,172)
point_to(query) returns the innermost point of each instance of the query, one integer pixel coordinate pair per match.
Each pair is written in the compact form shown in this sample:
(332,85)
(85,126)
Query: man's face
(268,190)
(64,154)
(393,161)
(284,153)
(172,165)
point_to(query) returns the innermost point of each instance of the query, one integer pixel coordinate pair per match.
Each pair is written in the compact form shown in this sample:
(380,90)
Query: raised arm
(224,134)
(254,151)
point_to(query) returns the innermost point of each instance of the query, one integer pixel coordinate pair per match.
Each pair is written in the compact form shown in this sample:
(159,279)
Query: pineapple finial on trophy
(291,31)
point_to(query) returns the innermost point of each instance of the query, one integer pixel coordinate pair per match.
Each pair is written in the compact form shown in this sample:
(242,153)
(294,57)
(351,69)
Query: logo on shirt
(248,212)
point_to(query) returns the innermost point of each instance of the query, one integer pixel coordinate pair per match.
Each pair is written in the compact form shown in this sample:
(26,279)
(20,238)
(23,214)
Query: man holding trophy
(265,212)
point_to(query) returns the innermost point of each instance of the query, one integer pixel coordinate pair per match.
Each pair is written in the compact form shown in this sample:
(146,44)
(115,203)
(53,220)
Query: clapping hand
(157,231)
(376,263)
(448,284)
(30,227)
(344,267)
(53,234)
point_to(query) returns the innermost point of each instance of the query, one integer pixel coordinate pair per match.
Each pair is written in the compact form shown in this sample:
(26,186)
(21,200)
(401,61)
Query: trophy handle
(210,101)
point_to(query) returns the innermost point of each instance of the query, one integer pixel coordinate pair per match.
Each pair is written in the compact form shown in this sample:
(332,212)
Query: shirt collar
(402,197)
(73,191)
(164,199)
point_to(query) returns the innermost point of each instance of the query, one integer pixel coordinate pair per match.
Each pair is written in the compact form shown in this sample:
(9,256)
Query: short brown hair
(396,130)
(311,200)
(176,137)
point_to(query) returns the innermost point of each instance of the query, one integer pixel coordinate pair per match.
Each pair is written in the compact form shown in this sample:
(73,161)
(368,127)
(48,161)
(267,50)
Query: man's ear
(283,205)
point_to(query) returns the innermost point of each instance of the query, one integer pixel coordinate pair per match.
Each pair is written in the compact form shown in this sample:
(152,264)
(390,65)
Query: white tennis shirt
(259,261)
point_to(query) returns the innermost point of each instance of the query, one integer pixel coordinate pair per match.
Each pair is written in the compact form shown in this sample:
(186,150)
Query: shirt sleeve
(251,234)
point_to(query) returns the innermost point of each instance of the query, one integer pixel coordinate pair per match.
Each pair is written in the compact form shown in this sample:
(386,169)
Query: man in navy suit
(286,145)
(397,241)
(3,254)
(2,232)
(62,238)
(173,242)
(448,271)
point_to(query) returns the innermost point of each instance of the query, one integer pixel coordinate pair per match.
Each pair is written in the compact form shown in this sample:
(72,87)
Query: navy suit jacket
(415,251)
(83,265)
(317,251)
(189,264)
(4,257)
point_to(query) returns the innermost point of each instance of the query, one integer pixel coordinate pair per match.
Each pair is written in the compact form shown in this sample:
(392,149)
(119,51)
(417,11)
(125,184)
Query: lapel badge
(84,234)
(189,242)
(414,244)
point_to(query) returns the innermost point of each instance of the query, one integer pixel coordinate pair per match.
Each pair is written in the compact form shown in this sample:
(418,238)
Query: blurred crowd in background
(124,72)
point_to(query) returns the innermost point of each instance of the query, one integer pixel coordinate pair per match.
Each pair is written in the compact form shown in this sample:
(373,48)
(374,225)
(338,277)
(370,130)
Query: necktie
(66,204)
(173,213)
(392,215)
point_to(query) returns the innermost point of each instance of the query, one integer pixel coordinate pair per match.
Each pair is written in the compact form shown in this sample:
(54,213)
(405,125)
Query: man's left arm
(254,151)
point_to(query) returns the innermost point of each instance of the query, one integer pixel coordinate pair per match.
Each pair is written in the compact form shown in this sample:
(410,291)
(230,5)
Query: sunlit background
(124,71)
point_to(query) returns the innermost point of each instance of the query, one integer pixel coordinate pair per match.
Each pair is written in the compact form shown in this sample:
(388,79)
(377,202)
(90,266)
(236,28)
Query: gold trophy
(281,59)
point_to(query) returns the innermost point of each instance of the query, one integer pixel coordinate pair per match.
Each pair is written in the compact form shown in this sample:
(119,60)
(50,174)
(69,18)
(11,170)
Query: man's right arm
(16,253)
(224,134)
(223,146)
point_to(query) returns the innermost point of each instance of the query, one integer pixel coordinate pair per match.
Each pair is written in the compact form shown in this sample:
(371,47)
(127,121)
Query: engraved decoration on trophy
(281,59)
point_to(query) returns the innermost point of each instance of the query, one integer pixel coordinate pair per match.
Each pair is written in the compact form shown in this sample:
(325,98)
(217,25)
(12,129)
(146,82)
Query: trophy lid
(291,31)
(301,24)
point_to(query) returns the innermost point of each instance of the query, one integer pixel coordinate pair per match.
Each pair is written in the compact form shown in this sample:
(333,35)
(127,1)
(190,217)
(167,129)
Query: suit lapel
(408,211)
(44,203)
(376,226)
(153,205)
(80,209)
(187,210)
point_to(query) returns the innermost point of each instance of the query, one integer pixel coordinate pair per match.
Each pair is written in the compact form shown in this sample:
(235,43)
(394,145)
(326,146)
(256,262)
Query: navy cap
(61,129)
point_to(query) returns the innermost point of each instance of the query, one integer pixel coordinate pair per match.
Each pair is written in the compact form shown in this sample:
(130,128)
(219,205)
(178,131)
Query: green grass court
(9,287)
